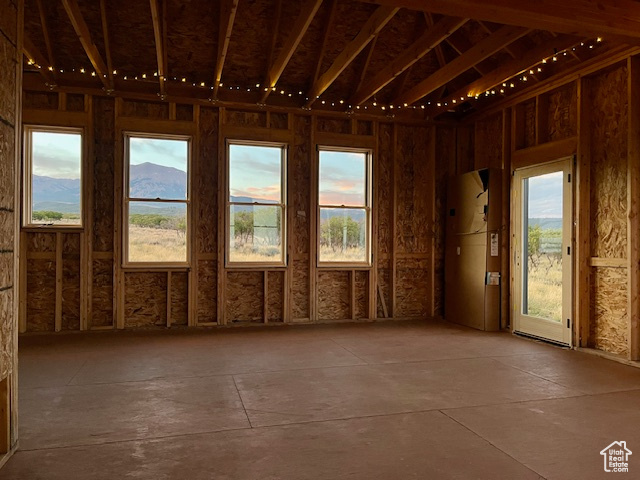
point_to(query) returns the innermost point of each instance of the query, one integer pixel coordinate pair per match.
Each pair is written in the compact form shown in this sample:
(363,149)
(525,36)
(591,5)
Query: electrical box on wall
(472,251)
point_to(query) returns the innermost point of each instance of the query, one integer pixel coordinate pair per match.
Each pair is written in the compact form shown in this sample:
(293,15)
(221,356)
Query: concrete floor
(367,401)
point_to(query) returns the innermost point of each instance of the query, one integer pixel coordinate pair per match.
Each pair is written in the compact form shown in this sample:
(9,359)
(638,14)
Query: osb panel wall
(41,295)
(179,298)
(145,299)
(145,293)
(445,165)
(412,222)
(529,118)
(334,295)
(300,167)
(411,288)
(244,297)
(8,120)
(562,112)
(206,185)
(104,137)
(608,132)
(488,142)
(101,294)
(384,188)
(275,297)
(609,320)
(609,164)
(207,291)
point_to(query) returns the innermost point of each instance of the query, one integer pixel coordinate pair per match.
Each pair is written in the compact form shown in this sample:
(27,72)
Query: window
(53,177)
(156,207)
(344,204)
(256,203)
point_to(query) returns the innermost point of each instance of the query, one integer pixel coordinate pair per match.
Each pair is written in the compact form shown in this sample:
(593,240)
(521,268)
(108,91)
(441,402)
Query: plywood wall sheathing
(244,297)
(205,187)
(41,292)
(445,166)
(207,291)
(361,306)
(334,295)
(488,142)
(529,119)
(179,298)
(275,296)
(40,100)
(104,175)
(609,310)
(300,295)
(412,288)
(562,111)
(384,185)
(609,164)
(145,299)
(102,294)
(333,125)
(70,307)
(156,110)
(412,222)
(242,118)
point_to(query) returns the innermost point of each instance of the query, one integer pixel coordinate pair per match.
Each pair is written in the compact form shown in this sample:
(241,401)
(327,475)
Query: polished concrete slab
(358,401)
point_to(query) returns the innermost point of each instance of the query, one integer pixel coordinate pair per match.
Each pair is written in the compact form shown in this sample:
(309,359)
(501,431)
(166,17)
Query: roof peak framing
(619,20)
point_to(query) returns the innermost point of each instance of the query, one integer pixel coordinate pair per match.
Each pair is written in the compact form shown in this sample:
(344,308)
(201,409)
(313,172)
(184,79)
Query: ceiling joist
(327,28)
(228,9)
(160,45)
(374,24)
(615,20)
(105,35)
(479,52)
(508,70)
(82,30)
(35,56)
(45,33)
(298,30)
(427,41)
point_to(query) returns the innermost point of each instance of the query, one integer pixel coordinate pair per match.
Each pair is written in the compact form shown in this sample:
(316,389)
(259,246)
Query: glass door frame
(557,332)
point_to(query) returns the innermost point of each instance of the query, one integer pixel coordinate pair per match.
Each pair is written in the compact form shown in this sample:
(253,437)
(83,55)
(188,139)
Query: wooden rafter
(428,18)
(325,38)
(274,31)
(617,20)
(509,69)
(460,45)
(464,62)
(228,9)
(365,67)
(427,41)
(298,30)
(374,24)
(509,48)
(160,47)
(107,42)
(45,33)
(34,55)
(82,30)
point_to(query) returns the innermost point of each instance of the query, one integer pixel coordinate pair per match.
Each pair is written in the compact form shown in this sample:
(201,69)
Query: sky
(168,153)
(342,178)
(256,172)
(545,196)
(57,155)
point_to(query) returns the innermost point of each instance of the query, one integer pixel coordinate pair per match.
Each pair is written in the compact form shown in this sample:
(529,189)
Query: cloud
(57,158)
(168,153)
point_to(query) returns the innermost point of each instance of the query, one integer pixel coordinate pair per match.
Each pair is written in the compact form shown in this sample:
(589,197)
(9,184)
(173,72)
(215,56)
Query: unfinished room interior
(319,239)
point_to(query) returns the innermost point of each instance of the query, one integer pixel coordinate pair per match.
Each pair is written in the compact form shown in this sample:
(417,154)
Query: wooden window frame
(284,152)
(27,193)
(126,263)
(368,207)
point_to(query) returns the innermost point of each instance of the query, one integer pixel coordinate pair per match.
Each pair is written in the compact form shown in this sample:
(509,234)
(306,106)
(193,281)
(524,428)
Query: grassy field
(327,254)
(156,245)
(545,288)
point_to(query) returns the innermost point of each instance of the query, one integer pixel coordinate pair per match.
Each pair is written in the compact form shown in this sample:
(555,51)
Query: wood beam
(442,61)
(84,35)
(34,55)
(427,41)
(325,37)
(228,9)
(633,207)
(298,30)
(365,67)
(107,42)
(488,30)
(485,48)
(509,70)
(376,22)
(160,46)
(461,45)
(619,20)
(45,33)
